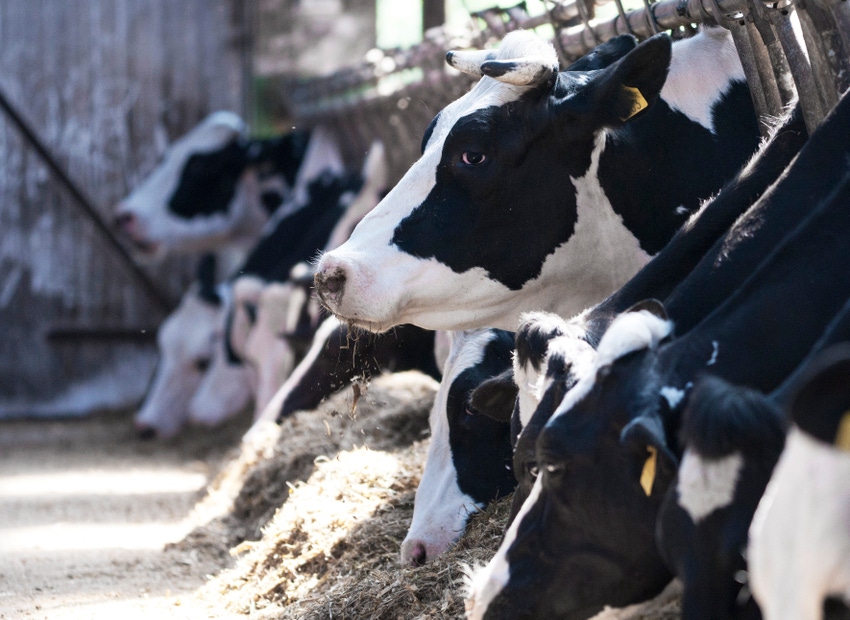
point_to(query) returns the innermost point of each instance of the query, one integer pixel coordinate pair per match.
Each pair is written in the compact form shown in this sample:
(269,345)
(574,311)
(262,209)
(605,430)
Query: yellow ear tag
(842,435)
(647,476)
(637,100)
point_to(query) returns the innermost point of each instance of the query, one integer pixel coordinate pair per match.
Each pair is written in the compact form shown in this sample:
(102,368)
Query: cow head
(187,346)
(732,437)
(584,538)
(484,217)
(469,455)
(214,186)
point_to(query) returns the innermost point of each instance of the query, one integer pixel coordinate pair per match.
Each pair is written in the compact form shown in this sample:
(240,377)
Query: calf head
(584,538)
(732,437)
(450,246)
(468,458)
(187,346)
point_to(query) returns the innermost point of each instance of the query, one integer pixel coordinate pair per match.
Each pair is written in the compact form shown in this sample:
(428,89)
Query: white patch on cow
(629,332)
(799,538)
(278,310)
(487,582)
(694,84)
(682,210)
(672,395)
(441,508)
(713,359)
(705,485)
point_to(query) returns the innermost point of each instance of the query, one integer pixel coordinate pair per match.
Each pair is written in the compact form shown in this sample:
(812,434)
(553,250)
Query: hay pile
(389,413)
(315,512)
(332,550)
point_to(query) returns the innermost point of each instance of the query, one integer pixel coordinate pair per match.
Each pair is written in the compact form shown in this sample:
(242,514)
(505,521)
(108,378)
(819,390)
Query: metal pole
(162,300)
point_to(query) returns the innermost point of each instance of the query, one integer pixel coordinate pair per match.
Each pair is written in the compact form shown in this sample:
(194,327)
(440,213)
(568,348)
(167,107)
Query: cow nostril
(145,433)
(418,555)
(330,283)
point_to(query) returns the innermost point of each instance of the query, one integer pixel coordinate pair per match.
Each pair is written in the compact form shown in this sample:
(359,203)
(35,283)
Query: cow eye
(202,364)
(470,410)
(473,158)
(532,469)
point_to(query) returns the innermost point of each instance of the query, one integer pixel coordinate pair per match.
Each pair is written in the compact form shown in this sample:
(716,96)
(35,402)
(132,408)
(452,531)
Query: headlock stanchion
(396,93)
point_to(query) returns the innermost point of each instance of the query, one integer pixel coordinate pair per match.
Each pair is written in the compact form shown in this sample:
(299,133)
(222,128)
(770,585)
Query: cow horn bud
(469,61)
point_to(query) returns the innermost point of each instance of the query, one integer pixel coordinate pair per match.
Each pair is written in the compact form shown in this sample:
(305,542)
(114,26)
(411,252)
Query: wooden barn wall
(106,84)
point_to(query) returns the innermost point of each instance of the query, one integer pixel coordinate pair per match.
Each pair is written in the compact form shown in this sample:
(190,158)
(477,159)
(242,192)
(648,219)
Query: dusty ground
(85,511)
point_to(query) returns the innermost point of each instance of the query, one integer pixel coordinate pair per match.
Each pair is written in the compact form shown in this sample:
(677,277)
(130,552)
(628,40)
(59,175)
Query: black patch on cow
(206,277)
(604,54)
(533,336)
(481,446)
(823,397)
(229,351)
(428,131)
(281,155)
(208,181)
(721,418)
(302,234)
(490,215)
(642,165)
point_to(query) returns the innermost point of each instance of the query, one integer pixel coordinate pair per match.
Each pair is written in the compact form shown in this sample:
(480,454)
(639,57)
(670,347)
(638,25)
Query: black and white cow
(694,253)
(733,436)
(338,356)
(197,380)
(800,539)
(570,550)
(541,190)
(217,188)
(469,455)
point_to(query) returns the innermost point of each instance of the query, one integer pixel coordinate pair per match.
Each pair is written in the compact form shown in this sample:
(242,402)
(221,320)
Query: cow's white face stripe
(490,580)
(705,485)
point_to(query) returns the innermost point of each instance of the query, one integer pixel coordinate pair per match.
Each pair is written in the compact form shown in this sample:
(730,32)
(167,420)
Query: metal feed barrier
(395,93)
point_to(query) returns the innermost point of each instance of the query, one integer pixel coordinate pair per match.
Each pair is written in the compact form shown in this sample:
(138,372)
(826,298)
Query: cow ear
(653,306)
(820,405)
(623,90)
(604,54)
(644,436)
(495,397)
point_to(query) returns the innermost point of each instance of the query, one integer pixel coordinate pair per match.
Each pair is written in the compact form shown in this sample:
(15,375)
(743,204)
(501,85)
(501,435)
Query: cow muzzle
(330,285)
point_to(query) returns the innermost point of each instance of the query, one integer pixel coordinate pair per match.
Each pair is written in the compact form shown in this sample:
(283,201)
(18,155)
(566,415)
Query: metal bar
(738,29)
(89,332)
(764,67)
(150,287)
(787,92)
(812,24)
(798,64)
